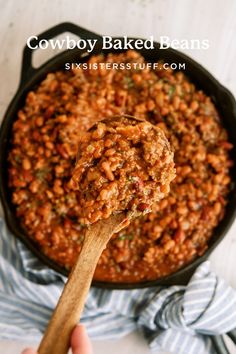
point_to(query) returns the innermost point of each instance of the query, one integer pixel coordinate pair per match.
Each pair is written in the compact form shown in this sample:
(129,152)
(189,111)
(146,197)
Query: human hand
(80,342)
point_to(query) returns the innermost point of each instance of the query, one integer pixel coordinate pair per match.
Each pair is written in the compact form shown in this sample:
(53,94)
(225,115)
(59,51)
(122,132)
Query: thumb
(80,342)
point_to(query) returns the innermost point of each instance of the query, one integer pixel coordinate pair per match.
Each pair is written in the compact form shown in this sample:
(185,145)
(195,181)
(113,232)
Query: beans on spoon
(124,164)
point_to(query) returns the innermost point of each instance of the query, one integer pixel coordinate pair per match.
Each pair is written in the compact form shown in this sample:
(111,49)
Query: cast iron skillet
(30,77)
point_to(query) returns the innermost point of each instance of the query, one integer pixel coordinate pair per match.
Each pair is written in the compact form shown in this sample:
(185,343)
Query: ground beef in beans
(124,164)
(43,154)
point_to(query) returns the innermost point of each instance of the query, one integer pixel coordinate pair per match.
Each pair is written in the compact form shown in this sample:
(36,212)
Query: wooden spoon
(56,339)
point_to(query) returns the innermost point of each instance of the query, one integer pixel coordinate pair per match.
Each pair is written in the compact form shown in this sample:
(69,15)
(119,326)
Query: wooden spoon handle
(56,339)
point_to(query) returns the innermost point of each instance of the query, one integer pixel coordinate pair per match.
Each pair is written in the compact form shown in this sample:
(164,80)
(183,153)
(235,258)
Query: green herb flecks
(118,268)
(171,91)
(81,238)
(128,82)
(125,237)
(42,173)
(17,158)
(90,148)
(132,179)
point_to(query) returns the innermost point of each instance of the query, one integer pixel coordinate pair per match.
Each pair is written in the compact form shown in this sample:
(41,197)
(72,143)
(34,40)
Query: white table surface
(191,19)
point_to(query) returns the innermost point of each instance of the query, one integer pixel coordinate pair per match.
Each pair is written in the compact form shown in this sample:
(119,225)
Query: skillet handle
(27,69)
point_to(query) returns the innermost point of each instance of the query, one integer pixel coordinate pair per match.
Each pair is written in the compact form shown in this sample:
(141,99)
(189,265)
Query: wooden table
(190,19)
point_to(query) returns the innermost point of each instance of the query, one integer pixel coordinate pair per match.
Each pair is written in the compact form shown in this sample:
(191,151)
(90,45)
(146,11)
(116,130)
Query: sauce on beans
(43,155)
(124,164)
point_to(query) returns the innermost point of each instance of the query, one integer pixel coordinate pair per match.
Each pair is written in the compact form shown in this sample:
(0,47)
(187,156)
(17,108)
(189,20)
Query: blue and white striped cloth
(178,319)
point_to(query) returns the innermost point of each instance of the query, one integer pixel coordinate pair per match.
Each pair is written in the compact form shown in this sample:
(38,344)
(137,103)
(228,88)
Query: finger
(80,342)
(29,351)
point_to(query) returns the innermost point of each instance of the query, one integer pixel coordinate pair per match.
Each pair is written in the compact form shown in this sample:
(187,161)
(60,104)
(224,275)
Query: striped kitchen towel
(177,319)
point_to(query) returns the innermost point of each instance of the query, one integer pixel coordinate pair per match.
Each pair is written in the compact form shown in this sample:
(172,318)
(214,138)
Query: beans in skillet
(43,155)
